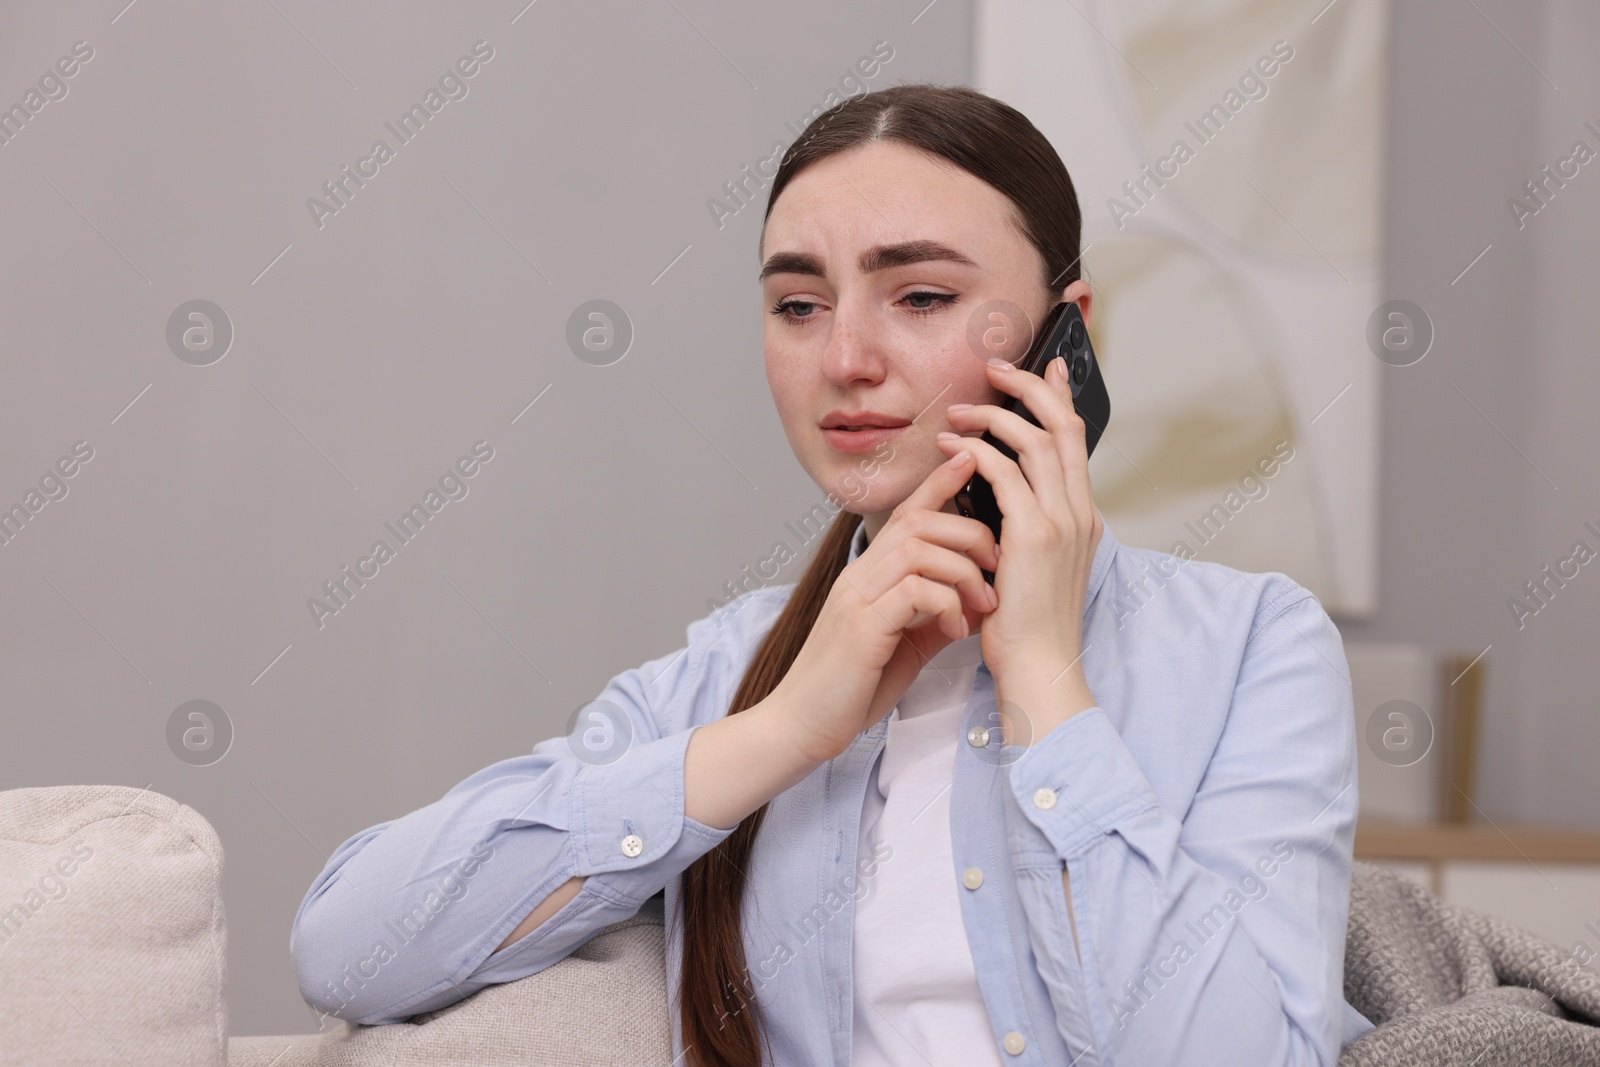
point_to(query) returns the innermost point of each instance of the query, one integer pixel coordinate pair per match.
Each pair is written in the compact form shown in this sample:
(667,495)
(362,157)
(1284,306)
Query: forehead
(889,193)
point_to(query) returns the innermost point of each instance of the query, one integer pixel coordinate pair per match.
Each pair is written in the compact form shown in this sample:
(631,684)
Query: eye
(785,310)
(921,302)
(939,300)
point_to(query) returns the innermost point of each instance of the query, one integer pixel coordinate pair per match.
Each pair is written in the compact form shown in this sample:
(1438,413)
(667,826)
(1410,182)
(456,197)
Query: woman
(1100,812)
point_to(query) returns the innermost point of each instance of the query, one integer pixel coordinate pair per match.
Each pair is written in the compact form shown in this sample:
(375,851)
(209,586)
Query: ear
(1079,292)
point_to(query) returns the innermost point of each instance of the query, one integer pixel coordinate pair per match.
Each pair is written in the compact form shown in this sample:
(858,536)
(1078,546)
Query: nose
(855,351)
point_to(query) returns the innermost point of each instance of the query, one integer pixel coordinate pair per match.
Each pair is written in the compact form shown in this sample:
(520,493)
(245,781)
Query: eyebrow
(881,257)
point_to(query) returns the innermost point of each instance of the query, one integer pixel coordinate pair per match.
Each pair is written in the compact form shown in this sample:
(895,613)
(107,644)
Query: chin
(878,497)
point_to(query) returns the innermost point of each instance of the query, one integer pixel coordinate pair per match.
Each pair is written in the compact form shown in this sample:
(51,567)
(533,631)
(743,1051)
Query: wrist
(1043,702)
(795,744)
(739,762)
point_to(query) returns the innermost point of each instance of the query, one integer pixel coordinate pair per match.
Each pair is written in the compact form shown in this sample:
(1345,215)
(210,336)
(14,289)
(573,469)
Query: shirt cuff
(1073,785)
(627,819)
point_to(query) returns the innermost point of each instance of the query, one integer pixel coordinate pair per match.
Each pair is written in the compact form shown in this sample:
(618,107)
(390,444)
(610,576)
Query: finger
(1049,399)
(959,533)
(942,483)
(1038,451)
(941,564)
(1019,504)
(1039,392)
(914,600)
(1073,449)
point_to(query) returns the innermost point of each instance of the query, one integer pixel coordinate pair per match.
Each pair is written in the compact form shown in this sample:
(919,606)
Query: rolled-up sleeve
(1216,934)
(407,916)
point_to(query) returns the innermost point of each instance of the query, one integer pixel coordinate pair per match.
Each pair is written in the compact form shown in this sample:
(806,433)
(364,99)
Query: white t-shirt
(917,999)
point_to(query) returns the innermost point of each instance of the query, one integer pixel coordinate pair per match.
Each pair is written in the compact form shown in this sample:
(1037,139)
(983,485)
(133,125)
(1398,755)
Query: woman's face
(890,265)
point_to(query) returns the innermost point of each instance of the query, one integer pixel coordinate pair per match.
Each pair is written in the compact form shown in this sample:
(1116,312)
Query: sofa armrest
(297,1050)
(112,941)
(605,1003)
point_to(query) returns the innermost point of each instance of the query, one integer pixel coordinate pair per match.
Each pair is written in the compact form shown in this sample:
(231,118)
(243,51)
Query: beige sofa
(113,950)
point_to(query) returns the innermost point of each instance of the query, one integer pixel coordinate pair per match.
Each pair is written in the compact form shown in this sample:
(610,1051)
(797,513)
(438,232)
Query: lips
(860,440)
(862,420)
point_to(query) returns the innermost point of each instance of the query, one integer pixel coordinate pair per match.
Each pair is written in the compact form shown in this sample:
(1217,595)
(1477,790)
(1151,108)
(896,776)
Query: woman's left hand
(1032,641)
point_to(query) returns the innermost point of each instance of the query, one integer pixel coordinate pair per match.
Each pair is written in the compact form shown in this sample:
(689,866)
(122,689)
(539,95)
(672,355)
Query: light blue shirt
(1204,808)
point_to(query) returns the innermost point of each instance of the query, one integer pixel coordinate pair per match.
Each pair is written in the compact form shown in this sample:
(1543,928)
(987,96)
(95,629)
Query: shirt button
(632,845)
(1015,1043)
(1044,798)
(972,878)
(978,737)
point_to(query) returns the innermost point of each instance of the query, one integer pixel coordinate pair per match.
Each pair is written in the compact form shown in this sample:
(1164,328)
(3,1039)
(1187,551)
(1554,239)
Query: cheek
(968,384)
(787,379)
(954,367)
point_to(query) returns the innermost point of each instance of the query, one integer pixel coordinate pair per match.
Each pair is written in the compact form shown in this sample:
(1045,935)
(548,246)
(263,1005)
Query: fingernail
(946,435)
(1059,365)
(958,407)
(960,457)
(1002,364)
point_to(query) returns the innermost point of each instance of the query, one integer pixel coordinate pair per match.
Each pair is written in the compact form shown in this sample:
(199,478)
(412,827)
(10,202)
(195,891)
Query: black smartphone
(1063,334)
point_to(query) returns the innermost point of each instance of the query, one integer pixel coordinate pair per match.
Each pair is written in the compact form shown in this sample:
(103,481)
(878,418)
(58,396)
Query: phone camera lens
(1080,369)
(1075,334)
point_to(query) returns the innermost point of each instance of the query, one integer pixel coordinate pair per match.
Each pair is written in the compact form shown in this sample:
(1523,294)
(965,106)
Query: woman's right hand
(916,588)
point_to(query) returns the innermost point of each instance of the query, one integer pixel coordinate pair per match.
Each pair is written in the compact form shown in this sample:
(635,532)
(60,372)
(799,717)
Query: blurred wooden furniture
(1542,878)
(1418,718)
(1419,812)
(1437,845)
(1460,711)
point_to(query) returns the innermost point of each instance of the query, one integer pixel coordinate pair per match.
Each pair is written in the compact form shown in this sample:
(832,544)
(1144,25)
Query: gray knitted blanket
(1445,985)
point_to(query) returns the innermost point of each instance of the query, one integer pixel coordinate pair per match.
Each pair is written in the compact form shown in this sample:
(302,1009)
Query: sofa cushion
(606,1003)
(112,941)
(296,1050)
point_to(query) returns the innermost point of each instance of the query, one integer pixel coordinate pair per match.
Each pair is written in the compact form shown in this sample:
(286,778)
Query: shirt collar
(858,543)
(1104,552)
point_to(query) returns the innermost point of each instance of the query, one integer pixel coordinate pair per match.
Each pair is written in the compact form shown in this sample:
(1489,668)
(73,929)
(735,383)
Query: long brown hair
(721,1022)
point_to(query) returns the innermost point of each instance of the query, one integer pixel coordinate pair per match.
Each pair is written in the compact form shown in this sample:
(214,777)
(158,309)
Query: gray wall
(419,319)
(1489,443)
(428,313)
